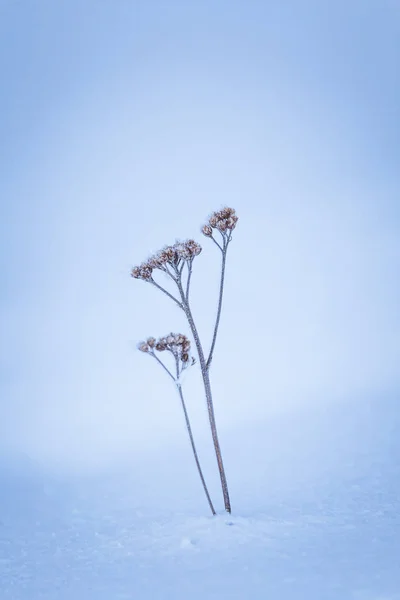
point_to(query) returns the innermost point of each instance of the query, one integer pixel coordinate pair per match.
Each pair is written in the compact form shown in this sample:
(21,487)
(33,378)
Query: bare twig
(167,293)
(220,296)
(190,264)
(160,362)
(210,405)
(196,458)
(169,273)
(215,242)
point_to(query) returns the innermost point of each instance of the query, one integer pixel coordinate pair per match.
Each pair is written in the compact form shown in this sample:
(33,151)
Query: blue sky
(123,124)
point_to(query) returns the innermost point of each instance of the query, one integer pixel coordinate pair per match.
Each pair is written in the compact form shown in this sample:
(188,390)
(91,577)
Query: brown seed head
(143,347)
(170,253)
(213,220)
(193,247)
(233,219)
(151,342)
(187,250)
(177,343)
(222,225)
(206,230)
(226,212)
(182,251)
(143,272)
(157,261)
(162,258)
(146,272)
(224,220)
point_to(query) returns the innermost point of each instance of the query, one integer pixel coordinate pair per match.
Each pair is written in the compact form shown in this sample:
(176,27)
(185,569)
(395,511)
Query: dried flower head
(187,250)
(182,251)
(151,342)
(213,220)
(144,271)
(193,247)
(143,347)
(161,345)
(222,226)
(177,343)
(206,230)
(157,261)
(135,272)
(224,220)
(169,255)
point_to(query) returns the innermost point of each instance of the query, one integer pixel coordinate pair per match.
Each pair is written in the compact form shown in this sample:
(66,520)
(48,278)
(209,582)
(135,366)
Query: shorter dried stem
(196,458)
(160,362)
(215,242)
(167,293)
(179,346)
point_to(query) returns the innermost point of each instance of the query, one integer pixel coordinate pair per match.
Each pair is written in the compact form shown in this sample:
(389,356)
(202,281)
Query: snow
(316,500)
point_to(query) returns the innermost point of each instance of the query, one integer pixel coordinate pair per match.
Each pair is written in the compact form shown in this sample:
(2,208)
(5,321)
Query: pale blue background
(123,124)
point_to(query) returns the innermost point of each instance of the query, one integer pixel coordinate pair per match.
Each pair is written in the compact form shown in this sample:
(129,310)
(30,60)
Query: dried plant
(178,345)
(176,261)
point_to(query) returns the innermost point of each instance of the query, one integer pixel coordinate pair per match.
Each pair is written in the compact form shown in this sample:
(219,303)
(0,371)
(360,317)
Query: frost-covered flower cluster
(224,220)
(172,256)
(144,271)
(176,343)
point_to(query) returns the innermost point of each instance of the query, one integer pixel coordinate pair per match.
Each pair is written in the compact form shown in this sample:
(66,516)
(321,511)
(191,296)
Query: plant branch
(167,293)
(168,272)
(177,367)
(221,293)
(215,242)
(210,405)
(196,458)
(190,264)
(163,366)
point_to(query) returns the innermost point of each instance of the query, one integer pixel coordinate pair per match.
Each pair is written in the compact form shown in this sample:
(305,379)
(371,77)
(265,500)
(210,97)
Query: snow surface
(316,516)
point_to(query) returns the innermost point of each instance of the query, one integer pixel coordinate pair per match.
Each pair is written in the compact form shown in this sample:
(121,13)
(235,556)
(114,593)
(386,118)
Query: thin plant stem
(188,426)
(168,272)
(166,292)
(196,458)
(221,293)
(210,405)
(160,362)
(215,242)
(190,264)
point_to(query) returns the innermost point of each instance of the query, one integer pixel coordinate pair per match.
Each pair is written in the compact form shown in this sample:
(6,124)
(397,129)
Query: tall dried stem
(196,458)
(207,389)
